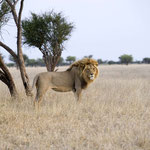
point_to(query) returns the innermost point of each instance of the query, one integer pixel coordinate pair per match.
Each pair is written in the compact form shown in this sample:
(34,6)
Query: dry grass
(114,114)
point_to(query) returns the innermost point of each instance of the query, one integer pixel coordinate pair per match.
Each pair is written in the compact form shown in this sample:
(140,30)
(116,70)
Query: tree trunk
(24,77)
(51,62)
(23,72)
(6,78)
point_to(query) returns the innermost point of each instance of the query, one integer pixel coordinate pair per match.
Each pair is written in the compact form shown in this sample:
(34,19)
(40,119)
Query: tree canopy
(146,60)
(4,13)
(126,59)
(47,32)
(70,59)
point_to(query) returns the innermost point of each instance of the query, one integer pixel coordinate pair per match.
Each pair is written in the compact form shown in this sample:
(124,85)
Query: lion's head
(88,69)
(90,73)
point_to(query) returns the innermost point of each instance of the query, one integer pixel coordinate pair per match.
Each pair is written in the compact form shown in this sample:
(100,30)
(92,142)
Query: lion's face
(87,69)
(90,72)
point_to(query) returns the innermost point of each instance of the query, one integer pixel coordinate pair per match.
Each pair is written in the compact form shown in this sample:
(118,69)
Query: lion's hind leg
(38,99)
(39,94)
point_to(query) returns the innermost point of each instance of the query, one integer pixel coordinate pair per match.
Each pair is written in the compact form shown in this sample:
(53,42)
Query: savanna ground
(114,114)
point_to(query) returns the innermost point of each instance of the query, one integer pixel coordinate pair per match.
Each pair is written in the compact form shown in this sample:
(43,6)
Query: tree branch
(19,30)
(2,77)
(13,10)
(4,74)
(9,50)
(6,77)
(43,52)
(1,74)
(2,65)
(15,2)
(20,12)
(1,1)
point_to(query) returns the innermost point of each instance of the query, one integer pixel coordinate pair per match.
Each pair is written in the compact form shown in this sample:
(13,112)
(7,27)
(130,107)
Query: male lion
(75,78)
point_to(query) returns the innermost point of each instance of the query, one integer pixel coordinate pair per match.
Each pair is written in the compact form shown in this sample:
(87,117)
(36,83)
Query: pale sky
(105,29)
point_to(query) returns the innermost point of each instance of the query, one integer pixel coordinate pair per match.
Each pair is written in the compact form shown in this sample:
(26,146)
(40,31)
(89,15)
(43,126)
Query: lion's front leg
(78,94)
(78,89)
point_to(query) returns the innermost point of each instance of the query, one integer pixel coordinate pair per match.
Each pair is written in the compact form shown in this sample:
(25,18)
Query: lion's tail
(35,81)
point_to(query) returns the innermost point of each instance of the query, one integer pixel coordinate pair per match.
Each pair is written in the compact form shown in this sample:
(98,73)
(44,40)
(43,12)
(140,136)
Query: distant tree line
(40,62)
(123,59)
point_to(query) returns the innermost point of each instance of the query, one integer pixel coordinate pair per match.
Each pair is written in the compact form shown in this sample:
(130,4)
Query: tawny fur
(76,78)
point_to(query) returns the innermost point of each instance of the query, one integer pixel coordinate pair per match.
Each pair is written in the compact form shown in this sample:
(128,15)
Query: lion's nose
(91,74)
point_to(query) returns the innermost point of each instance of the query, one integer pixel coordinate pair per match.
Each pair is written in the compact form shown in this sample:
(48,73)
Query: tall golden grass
(114,114)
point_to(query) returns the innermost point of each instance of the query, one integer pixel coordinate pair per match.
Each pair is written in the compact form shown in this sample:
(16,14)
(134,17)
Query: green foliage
(46,31)
(90,56)
(99,61)
(10,64)
(4,13)
(28,62)
(71,59)
(31,62)
(35,62)
(126,59)
(111,62)
(146,60)
(61,61)
(40,62)
(26,58)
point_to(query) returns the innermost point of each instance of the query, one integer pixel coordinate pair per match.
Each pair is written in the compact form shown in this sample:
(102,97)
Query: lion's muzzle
(91,76)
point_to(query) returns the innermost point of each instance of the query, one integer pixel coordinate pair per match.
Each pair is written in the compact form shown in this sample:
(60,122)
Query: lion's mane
(82,65)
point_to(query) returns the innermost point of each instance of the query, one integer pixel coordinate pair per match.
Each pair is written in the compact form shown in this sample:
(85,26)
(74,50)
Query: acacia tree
(47,32)
(8,7)
(126,59)
(146,60)
(70,59)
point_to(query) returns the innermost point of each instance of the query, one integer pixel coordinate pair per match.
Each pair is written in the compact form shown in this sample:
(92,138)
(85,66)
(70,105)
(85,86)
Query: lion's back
(57,79)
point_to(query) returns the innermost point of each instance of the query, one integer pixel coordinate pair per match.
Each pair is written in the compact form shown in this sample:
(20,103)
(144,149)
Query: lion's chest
(83,84)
